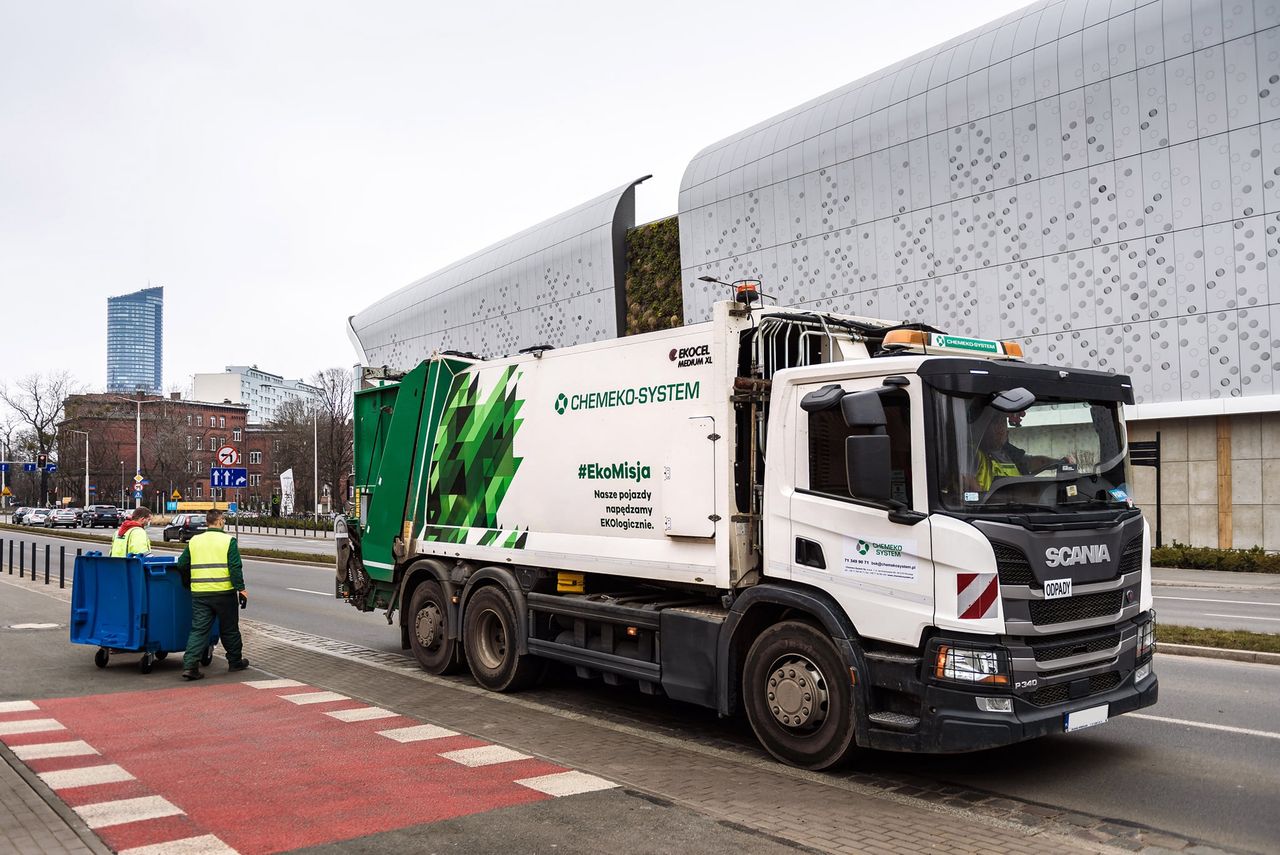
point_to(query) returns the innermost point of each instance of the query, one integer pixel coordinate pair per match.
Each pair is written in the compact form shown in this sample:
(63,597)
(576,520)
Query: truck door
(878,569)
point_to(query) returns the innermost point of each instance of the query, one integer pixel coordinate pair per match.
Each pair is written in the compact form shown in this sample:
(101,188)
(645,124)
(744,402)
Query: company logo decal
(1066,556)
(683,357)
(633,396)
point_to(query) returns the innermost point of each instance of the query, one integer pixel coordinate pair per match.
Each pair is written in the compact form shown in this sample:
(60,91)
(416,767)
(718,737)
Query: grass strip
(1227,639)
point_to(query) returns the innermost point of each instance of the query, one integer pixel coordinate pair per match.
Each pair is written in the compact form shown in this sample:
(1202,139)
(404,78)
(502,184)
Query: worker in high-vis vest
(131,538)
(217,591)
(998,458)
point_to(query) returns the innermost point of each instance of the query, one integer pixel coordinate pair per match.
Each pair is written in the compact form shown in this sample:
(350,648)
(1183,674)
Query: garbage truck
(862,534)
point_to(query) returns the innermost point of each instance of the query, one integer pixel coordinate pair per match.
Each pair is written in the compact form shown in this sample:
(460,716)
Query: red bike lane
(263,766)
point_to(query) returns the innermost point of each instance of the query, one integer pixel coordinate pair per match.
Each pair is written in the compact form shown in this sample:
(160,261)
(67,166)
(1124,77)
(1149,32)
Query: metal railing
(9,545)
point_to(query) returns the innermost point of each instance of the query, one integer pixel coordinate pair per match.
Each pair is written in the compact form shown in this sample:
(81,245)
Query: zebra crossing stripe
(17,706)
(121,811)
(85,776)
(205,844)
(45,750)
(566,783)
(29,725)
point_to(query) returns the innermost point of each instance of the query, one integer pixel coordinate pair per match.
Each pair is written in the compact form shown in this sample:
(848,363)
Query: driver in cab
(999,458)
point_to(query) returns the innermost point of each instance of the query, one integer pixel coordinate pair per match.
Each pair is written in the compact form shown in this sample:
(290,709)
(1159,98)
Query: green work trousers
(204,608)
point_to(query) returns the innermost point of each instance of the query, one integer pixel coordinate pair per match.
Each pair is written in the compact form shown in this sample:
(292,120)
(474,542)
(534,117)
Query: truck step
(894,720)
(890,657)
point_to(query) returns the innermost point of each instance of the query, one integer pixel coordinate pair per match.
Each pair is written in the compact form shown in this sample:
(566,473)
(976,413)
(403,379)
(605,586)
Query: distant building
(262,391)
(135,341)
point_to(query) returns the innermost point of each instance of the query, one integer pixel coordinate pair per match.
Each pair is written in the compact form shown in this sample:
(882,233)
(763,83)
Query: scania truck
(861,533)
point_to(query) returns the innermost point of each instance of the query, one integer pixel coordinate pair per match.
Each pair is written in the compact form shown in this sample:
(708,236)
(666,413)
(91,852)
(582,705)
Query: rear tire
(490,635)
(428,621)
(798,696)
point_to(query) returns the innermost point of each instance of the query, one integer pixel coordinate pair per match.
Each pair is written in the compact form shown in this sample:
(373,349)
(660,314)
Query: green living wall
(654,297)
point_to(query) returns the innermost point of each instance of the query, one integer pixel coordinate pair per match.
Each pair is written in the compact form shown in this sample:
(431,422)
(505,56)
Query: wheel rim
(427,624)
(796,693)
(491,640)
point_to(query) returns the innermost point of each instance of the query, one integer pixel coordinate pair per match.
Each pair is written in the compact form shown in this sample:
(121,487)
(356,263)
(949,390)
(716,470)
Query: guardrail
(289,528)
(7,548)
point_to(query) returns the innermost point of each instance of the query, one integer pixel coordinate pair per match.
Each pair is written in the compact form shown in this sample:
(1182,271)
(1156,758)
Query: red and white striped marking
(169,790)
(977,595)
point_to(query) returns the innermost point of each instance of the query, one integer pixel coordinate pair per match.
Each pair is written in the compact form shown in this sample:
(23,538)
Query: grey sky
(277,166)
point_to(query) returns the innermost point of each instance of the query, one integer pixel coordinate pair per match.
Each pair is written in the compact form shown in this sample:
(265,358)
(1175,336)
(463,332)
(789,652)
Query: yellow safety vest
(134,542)
(989,469)
(210,571)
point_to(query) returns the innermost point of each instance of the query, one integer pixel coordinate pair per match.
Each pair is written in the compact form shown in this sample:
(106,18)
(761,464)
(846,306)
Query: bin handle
(157,570)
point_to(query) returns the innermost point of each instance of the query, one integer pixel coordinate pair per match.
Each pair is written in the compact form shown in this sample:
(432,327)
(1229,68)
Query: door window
(827,434)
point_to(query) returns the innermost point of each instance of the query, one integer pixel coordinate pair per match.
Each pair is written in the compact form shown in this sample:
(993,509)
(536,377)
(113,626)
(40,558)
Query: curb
(1218,653)
(57,805)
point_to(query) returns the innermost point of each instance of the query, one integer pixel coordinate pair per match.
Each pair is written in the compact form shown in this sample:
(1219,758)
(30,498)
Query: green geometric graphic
(473,462)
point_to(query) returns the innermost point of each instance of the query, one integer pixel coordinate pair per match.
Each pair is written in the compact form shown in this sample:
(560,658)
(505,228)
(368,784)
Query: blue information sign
(28,467)
(51,467)
(228,477)
(4,467)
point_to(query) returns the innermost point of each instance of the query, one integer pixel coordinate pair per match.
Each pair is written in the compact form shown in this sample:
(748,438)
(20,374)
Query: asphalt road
(1204,762)
(1249,601)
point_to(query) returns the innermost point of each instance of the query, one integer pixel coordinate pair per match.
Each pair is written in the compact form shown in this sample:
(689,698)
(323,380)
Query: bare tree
(334,429)
(37,400)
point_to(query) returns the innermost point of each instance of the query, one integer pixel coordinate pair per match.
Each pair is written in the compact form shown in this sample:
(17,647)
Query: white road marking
(567,783)
(205,844)
(85,776)
(29,725)
(417,733)
(271,684)
(33,626)
(314,698)
(121,811)
(485,755)
(362,714)
(305,591)
(1229,602)
(1245,731)
(1242,617)
(45,750)
(17,706)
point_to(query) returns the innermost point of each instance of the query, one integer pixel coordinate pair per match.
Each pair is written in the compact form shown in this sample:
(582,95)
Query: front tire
(490,634)
(798,696)
(428,619)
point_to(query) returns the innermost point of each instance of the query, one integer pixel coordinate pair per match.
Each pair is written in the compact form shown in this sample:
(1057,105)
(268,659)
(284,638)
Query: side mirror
(864,409)
(1013,400)
(866,460)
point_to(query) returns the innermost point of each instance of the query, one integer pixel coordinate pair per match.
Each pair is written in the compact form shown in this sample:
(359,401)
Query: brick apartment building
(179,439)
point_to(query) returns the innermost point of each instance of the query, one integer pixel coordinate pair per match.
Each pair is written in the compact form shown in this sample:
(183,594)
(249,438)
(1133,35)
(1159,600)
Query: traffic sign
(228,477)
(51,467)
(137,496)
(4,467)
(233,507)
(228,456)
(93,488)
(176,495)
(28,467)
(138,479)
(6,492)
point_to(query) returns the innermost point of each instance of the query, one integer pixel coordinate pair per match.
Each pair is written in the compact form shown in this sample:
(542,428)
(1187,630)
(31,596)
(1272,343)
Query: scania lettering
(860,534)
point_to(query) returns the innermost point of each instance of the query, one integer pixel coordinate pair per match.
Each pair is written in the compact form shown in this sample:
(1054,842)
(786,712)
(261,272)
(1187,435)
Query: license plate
(1055,588)
(1080,719)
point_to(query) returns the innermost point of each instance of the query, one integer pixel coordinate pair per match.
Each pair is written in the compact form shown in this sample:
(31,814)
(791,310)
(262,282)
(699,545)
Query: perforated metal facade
(1099,176)
(559,283)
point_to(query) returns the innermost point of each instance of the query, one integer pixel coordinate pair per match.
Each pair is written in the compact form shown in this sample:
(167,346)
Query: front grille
(1012,565)
(1062,648)
(1131,556)
(1061,692)
(1048,612)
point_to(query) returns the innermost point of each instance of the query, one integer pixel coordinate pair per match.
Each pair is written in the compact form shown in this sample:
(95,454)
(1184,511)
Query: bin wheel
(161,655)
(101,657)
(206,658)
(147,662)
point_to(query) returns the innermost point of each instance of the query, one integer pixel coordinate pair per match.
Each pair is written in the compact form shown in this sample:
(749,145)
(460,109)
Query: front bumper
(950,721)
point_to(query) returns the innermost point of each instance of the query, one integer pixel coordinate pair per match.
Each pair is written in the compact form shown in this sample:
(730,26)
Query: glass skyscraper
(135,338)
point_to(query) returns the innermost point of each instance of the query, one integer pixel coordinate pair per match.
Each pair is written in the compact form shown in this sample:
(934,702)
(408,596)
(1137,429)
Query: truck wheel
(428,618)
(489,631)
(798,696)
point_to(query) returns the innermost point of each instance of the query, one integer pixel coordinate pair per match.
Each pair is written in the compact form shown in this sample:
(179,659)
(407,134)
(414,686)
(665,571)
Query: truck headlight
(1147,638)
(970,665)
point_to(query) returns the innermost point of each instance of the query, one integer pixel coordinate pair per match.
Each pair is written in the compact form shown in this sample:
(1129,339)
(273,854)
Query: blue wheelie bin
(136,604)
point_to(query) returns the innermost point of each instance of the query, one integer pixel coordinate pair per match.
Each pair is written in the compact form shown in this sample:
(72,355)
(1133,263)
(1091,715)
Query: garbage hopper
(136,604)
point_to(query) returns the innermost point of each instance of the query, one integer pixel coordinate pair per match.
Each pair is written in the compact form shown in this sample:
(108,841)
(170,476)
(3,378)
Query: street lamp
(137,454)
(122,483)
(86,463)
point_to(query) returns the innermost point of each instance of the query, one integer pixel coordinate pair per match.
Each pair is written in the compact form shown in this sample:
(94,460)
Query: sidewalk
(1215,579)
(27,822)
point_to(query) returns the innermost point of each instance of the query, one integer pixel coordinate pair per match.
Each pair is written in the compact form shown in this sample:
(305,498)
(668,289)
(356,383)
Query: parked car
(19,515)
(107,516)
(183,527)
(63,517)
(37,516)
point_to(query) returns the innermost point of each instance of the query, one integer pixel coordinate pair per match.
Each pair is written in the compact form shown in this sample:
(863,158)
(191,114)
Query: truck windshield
(1055,456)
